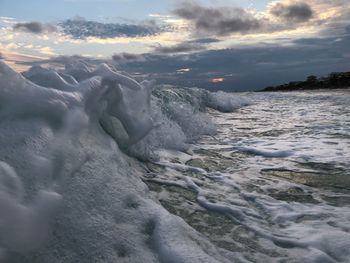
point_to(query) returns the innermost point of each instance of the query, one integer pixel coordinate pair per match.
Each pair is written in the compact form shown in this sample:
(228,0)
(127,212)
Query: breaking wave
(69,187)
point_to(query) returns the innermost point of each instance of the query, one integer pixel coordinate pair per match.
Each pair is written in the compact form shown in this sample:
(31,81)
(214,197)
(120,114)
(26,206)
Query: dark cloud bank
(248,68)
(179,48)
(127,57)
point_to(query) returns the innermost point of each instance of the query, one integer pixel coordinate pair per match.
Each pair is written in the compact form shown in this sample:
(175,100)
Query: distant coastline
(336,80)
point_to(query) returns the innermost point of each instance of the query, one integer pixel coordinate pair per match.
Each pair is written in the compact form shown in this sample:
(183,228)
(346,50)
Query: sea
(98,167)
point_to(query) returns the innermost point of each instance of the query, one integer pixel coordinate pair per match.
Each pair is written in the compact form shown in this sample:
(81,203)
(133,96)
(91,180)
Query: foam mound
(68,189)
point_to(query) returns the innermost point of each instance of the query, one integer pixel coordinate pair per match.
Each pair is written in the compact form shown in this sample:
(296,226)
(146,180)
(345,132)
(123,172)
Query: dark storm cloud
(127,57)
(34,27)
(248,68)
(205,40)
(1,56)
(81,29)
(347,29)
(216,21)
(179,48)
(292,12)
(186,47)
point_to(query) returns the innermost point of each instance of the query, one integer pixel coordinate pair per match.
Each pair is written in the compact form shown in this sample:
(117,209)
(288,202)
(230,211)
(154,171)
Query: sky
(234,45)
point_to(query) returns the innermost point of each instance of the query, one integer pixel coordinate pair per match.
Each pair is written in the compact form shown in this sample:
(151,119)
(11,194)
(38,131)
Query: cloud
(18,61)
(247,67)
(218,21)
(127,57)
(34,27)
(205,40)
(82,29)
(179,48)
(347,29)
(292,11)
(47,51)
(279,17)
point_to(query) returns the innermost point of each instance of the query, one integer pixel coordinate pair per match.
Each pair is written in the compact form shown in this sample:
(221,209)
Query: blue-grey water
(276,179)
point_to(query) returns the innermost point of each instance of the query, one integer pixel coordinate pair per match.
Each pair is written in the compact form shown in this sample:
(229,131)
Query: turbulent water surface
(273,184)
(96,167)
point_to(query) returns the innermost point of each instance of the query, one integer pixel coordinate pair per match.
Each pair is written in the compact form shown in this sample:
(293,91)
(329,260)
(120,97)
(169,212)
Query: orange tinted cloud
(15,59)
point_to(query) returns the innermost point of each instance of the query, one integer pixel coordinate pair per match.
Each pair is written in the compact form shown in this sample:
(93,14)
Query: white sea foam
(226,102)
(265,153)
(64,172)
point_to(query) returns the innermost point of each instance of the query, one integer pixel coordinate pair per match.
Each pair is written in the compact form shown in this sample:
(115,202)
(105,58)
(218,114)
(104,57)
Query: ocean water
(279,170)
(96,167)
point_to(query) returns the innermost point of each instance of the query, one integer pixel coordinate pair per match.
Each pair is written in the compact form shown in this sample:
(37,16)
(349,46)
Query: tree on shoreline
(335,80)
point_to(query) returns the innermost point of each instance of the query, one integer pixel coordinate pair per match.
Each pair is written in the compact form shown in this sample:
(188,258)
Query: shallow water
(273,185)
